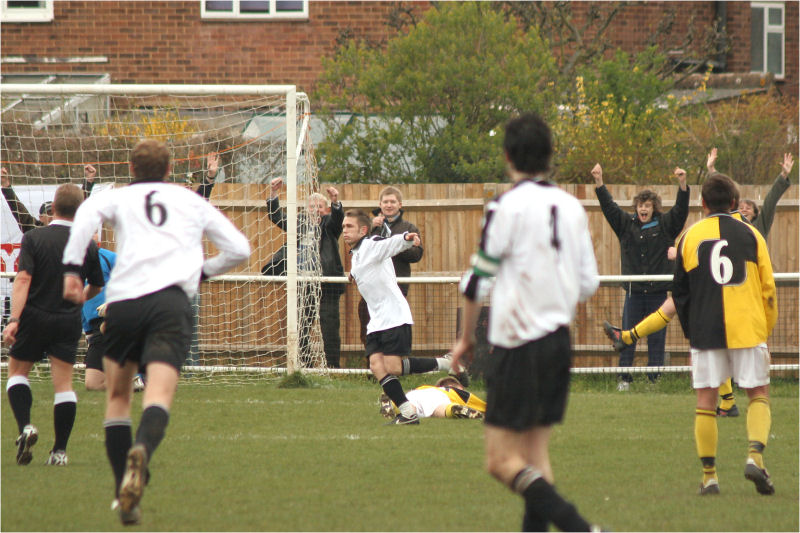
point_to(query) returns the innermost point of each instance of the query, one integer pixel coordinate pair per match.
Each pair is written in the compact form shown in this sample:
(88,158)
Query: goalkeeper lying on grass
(446,399)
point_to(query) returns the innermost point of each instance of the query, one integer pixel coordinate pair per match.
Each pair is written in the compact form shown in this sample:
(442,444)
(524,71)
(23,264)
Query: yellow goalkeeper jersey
(460,397)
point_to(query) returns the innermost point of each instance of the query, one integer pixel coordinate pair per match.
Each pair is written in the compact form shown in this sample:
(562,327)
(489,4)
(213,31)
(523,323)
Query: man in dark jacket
(330,228)
(644,238)
(388,220)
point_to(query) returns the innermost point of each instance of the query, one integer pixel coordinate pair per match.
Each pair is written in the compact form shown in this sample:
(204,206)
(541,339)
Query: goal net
(259,319)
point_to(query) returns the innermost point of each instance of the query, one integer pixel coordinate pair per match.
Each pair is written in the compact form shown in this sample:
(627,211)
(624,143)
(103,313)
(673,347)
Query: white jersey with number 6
(159,231)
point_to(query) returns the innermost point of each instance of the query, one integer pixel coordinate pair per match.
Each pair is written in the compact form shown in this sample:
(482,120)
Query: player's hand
(275,187)
(377,222)
(786,167)
(5,181)
(89,172)
(73,289)
(413,237)
(597,174)
(462,353)
(710,160)
(212,165)
(10,333)
(101,310)
(333,194)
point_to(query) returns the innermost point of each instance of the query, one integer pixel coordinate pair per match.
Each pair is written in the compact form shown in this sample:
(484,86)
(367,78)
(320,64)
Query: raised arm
(711,160)
(274,211)
(212,167)
(616,217)
(89,174)
(25,220)
(675,218)
(337,212)
(781,184)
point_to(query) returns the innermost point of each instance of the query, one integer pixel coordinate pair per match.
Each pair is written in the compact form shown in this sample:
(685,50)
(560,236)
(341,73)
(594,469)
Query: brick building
(284,41)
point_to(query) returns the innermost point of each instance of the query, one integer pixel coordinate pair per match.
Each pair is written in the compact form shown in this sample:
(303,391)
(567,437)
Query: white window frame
(772,28)
(26,14)
(235,14)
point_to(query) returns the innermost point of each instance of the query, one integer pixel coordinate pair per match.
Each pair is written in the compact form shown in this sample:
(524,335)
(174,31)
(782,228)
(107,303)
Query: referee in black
(43,323)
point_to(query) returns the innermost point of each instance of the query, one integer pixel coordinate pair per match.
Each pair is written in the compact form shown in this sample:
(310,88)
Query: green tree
(751,132)
(432,104)
(616,116)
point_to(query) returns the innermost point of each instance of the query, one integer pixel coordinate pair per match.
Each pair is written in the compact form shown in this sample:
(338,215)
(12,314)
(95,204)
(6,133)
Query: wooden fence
(449,217)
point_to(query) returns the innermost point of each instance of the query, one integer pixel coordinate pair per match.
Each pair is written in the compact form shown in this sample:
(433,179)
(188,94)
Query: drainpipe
(721,14)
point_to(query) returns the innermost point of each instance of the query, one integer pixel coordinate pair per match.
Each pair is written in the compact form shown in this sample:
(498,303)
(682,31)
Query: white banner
(32,197)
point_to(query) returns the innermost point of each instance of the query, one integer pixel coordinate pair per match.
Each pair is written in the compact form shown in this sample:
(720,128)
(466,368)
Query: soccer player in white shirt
(389,328)
(536,243)
(159,229)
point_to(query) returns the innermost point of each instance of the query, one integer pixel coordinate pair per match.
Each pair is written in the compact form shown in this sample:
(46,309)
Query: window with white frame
(254,9)
(26,11)
(767,37)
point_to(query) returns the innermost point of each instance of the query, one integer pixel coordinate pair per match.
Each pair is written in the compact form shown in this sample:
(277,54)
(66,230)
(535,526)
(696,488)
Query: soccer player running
(536,242)
(389,327)
(159,229)
(42,323)
(725,296)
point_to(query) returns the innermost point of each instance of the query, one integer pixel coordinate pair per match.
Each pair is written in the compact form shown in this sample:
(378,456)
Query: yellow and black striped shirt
(723,288)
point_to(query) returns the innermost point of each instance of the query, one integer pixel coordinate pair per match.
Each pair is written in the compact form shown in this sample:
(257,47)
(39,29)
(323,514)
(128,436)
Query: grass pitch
(257,457)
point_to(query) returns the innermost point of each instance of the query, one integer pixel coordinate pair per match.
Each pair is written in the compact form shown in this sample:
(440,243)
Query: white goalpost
(247,323)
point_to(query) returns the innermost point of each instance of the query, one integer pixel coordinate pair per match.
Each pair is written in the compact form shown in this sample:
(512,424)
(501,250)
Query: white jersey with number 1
(159,231)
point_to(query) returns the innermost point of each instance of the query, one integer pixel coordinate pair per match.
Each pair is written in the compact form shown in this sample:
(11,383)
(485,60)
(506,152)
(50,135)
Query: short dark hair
(718,193)
(528,143)
(648,196)
(361,217)
(67,200)
(149,160)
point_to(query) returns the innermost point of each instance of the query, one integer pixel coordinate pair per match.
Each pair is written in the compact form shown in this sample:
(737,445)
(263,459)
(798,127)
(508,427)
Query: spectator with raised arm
(658,320)
(325,218)
(644,238)
(24,219)
(761,218)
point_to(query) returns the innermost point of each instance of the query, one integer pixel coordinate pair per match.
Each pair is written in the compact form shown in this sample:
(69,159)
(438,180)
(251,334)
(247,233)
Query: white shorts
(749,367)
(427,400)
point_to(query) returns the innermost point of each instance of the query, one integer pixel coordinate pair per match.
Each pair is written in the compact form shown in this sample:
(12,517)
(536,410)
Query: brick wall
(168,42)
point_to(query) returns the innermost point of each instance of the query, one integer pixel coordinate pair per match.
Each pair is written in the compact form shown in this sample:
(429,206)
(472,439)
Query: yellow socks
(727,400)
(653,322)
(759,420)
(705,436)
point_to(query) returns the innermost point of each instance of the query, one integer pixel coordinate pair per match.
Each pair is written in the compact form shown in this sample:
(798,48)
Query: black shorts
(154,327)
(527,386)
(95,351)
(392,341)
(41,333)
